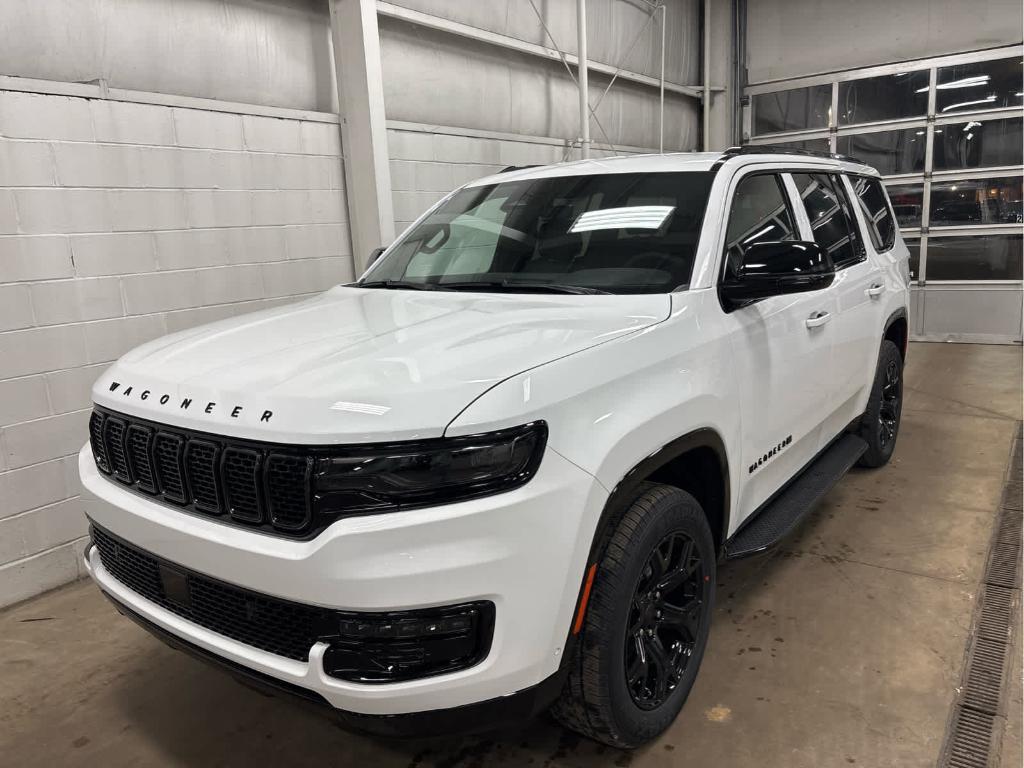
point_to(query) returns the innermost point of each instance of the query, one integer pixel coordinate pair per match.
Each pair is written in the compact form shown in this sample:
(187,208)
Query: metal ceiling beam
(511,43)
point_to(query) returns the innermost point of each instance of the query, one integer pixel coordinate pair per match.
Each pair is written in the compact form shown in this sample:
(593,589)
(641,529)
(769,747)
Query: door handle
(817,319)
(875,290)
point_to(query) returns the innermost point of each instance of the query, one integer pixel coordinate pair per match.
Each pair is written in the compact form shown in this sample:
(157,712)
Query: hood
(358,365)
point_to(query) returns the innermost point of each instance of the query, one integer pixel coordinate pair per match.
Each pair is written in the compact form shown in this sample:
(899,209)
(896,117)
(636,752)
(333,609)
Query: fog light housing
(405,645)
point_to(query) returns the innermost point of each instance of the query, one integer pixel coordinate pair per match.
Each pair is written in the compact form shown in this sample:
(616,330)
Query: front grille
(364,647)
(259,485)
(276,626)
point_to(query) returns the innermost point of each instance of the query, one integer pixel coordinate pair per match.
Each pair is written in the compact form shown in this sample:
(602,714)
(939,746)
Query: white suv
(499,470)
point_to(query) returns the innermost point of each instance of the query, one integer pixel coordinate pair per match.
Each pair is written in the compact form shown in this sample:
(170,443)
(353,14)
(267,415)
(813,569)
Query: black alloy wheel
(664,621)
(889,409)
(880,424)
(647,622)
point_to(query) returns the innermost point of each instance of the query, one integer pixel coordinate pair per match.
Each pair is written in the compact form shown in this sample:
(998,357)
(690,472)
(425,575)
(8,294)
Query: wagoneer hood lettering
(357,365)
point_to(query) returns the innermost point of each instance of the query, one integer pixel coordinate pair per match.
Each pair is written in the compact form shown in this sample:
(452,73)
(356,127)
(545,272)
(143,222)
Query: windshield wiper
(513,286)
(401,285)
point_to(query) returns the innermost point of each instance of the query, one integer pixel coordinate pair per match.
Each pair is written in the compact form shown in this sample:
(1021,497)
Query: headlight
(404,475)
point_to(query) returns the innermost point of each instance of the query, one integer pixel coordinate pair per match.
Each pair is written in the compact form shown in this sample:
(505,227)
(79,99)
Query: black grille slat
(113,438)
(240,468)
(201,471)
(287,480)
(99,448)
(258,485)
(277,626)
(169,463)
(138,446)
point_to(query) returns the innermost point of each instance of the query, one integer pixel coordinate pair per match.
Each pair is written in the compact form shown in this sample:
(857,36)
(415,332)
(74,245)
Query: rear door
(857,287)
(782,348)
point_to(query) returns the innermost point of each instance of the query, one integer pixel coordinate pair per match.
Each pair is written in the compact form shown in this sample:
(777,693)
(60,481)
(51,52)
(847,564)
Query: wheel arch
(696,462)
(897,330)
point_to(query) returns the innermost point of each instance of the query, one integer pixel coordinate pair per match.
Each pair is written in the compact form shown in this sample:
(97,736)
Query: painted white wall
(793,38)
(121,222)
(275,53)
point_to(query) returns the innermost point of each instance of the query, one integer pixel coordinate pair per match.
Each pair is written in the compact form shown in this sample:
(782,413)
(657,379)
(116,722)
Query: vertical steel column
(706,78)
(584,85)
(661,88)
(364,138)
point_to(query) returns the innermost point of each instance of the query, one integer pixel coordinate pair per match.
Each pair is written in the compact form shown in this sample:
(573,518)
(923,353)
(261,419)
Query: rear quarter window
(878,215)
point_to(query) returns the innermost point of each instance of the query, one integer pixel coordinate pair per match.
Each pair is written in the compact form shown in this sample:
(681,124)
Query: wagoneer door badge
(186,403)
(762,460)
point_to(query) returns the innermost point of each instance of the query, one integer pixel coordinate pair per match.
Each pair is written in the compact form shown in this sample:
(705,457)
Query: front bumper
(524,550)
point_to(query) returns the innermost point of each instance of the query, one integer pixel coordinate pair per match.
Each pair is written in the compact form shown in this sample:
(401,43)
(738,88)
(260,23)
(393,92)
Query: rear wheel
(647,622)
(880,424)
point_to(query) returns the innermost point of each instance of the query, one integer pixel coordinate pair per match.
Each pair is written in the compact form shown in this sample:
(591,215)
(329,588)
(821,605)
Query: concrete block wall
(426,165)
(120,222)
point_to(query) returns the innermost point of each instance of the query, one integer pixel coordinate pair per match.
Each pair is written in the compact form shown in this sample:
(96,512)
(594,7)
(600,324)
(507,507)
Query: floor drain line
(974,735)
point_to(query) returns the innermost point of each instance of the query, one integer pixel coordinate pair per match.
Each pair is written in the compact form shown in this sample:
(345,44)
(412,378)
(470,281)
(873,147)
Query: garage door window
(891,152)
(976,201)
(979,143)
(991,257)
(793,110)
(888,97)
(981,85)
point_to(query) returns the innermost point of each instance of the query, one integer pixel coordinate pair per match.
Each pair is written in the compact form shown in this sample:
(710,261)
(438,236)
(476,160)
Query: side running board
(783,513)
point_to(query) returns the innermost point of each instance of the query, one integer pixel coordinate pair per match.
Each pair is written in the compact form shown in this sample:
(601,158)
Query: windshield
(609,233)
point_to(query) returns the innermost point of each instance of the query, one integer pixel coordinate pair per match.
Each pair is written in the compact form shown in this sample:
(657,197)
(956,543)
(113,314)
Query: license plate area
(175,584)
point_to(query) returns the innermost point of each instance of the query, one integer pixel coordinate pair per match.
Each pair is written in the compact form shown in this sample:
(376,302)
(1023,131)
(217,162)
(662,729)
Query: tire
(661,526)
(880,424)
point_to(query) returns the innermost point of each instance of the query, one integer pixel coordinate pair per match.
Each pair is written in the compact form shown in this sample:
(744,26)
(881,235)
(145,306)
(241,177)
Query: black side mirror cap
(775,269)
(374,255)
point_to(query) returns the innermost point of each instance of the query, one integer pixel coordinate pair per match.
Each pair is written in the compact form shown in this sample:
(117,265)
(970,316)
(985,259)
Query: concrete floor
(844,647)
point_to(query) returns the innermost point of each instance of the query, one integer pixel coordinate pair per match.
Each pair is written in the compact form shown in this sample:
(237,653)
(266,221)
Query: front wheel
(647,622)
(880,423)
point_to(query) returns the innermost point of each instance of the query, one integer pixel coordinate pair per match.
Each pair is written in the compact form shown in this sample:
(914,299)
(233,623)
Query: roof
(670,162)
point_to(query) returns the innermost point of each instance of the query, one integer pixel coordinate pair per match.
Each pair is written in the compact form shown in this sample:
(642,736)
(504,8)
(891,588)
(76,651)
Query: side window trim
(803,221)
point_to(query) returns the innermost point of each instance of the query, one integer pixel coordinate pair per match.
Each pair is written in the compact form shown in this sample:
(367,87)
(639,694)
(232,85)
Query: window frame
(786,199)
(861,253)
(886,247)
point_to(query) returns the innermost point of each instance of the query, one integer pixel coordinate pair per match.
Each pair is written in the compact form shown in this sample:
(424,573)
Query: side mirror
(777,268)
(374,255)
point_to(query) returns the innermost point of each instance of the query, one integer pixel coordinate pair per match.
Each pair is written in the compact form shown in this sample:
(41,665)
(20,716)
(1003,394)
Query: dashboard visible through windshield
(605,233)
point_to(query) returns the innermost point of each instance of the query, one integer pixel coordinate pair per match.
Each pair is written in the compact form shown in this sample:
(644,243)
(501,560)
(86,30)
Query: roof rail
(772,149)
(508,168)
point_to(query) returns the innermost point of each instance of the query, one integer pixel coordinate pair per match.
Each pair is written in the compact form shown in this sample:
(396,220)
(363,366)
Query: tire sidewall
(683,514)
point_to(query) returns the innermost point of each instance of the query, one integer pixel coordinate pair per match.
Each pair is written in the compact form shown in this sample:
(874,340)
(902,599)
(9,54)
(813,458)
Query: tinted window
(794,110)
(914,246)
(889,97)
(988,257)
(875,208)
(616,232)
(888,151)
(759,214)
(985,85)
(831,218)
(976,201)
(907,203)
(978,144)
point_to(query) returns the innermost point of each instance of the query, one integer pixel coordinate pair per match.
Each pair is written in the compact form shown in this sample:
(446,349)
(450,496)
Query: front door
(782,348)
